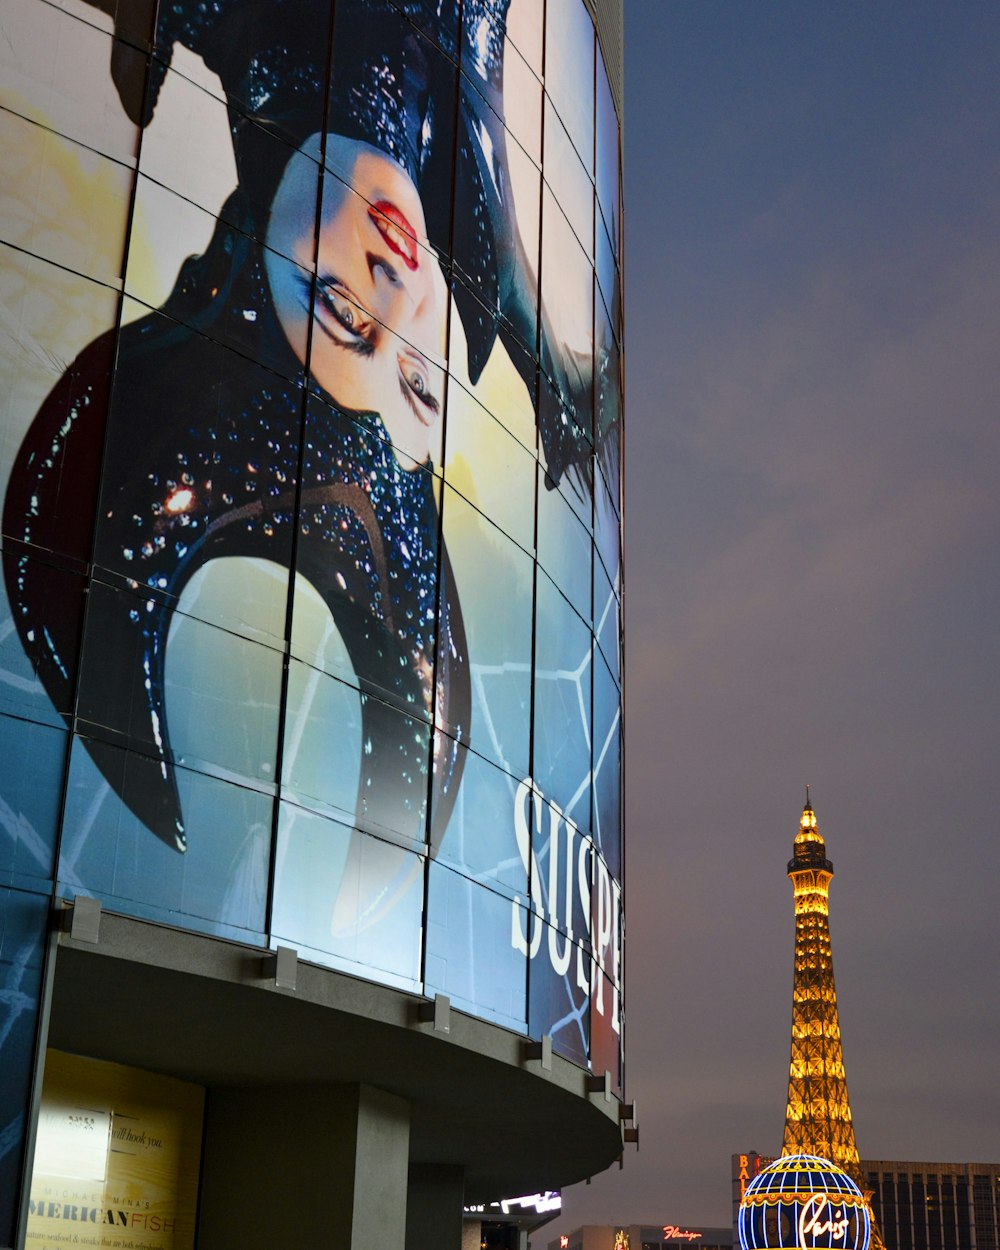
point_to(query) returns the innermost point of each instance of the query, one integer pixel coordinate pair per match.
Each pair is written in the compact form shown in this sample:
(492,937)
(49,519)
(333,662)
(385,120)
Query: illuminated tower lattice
(818,1115)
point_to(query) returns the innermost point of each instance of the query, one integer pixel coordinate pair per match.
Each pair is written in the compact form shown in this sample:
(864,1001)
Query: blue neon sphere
(803,1201)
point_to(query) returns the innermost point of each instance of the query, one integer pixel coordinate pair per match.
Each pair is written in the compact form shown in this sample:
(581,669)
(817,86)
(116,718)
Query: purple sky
(812,289)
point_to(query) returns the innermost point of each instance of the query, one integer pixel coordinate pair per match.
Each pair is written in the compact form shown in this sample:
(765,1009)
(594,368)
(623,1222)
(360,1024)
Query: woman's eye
(342,310)
(415,385)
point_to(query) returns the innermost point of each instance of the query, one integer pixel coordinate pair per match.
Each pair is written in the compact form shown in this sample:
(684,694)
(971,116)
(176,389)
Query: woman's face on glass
(373,319)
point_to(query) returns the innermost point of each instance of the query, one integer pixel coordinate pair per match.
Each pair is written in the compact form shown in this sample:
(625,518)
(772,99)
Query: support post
(305,1165)
(434,1201)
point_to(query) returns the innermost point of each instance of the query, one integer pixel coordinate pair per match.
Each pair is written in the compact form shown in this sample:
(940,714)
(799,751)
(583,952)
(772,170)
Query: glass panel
(32,768)
(562,704)
(355,758)
(395,759)
(207,274)
(608,281)
(212,706)
(566,398)
(52,417)
(560,868)
(608,166)
(607,531)
(559,992)
(495,581)
(368,548)
(564,548)
(569,181)
(490,467)
(522,98)
(501,375)
(567,282)
(471,955)
(219,885)
(503,71)
(607,767)
(55,70)
(202,172)
(62,201)
(525,20)
(607,621)
(223,690)
(569,71)
(607,415)
(347,900)
(519,316)
(605,1039)
(40,641)
(480,839)
(167,231)
(23,938)
(321,763)
(180,41)
(201,462)
(392,89)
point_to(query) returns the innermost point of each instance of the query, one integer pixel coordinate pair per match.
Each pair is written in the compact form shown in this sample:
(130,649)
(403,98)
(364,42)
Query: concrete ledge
(206,1010)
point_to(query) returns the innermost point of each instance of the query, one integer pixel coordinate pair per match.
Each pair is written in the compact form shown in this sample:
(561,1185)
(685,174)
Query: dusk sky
(812,210)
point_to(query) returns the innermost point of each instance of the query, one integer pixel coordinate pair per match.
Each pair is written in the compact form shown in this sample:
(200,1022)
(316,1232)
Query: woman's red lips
(399,235)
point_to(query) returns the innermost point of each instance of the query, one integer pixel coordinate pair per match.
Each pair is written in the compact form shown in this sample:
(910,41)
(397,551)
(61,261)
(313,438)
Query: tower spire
(818,1115)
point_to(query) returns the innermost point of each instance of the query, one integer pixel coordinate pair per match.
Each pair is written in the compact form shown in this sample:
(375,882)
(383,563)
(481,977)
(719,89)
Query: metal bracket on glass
(540,1051)
(600,1085)
(83,920)
(437,1013)
(282,966)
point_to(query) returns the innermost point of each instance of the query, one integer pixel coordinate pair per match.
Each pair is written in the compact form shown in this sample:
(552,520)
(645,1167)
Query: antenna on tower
(808,804)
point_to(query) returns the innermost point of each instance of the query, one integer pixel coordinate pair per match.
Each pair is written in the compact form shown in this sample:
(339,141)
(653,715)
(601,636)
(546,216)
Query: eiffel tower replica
(818,1116)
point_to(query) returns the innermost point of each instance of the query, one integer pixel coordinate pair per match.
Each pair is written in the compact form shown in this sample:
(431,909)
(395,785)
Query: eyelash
(414,397)
(359,335)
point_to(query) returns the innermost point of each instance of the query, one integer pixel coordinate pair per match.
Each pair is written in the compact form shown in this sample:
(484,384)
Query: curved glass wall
(310,461)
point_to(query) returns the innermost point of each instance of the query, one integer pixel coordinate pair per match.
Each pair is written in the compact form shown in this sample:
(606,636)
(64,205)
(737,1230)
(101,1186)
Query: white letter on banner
(559,961)
(603,935)
(518,938)
(616,956)
(582,975)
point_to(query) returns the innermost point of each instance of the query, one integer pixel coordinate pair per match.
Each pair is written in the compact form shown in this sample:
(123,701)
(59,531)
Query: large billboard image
(310,474)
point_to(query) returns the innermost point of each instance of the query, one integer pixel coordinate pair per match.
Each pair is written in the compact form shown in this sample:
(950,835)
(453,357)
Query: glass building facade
(310,465)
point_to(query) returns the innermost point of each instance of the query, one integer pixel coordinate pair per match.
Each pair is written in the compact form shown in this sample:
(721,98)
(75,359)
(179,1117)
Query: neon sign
(805,1202)
(810,1222)
(672,1233)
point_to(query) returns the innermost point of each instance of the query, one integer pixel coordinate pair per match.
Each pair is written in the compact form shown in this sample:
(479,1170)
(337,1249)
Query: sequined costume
(207,455)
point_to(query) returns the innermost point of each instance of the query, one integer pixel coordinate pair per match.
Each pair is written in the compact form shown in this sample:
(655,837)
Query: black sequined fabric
(208,454)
